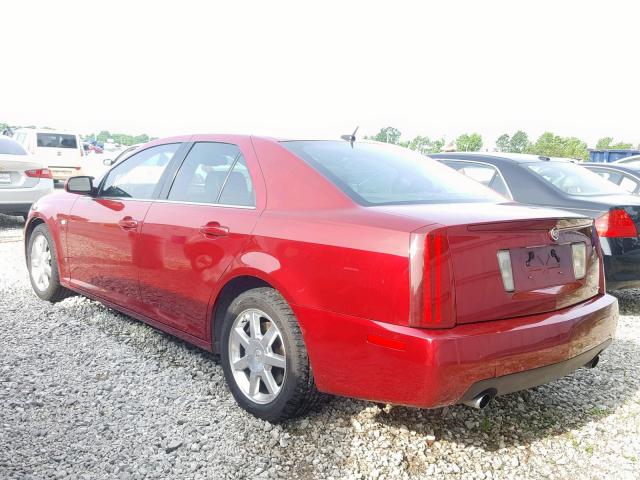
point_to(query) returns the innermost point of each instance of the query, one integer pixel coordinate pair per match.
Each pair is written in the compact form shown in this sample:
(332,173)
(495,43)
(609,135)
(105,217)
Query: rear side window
(610,175)
(382,174)
(627,183)
(486,174)
(573,179)
(11,147)
(213,173)
(137,177)
(56,140)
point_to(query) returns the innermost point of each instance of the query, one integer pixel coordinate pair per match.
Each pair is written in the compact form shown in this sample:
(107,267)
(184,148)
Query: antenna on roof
(350,138)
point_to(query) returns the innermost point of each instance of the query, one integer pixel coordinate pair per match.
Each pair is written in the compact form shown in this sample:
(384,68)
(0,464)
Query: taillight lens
(432,290)
(504,262)
(39,173)
(616,223)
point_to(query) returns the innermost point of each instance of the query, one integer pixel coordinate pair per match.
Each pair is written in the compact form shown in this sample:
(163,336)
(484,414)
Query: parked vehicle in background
(91,147)
(97,166)
(61,152)
(354,268)
(625,175)
(22,179)
(561,183)
(632,160)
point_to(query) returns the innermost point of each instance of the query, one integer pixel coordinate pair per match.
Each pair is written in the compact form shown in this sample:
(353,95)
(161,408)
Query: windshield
(381,174)
(574,179)
(11,147)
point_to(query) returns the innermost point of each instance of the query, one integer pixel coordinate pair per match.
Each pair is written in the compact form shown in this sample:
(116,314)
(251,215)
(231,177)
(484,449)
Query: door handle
(214,229)
(128,223)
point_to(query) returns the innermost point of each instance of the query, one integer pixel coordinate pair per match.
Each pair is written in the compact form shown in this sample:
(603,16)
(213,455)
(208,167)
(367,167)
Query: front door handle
(214,229)
(128,223)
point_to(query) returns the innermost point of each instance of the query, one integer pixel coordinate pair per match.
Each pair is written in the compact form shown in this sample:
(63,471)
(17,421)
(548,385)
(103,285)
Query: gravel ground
(86,392)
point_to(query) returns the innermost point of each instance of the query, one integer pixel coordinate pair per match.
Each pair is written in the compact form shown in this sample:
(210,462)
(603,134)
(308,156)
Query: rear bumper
(621,262)
(64,173)
(18,201)
(429,368)
(515,382)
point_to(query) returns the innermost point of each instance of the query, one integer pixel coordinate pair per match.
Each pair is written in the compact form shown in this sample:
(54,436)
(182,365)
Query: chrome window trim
(497,169)
(224,205)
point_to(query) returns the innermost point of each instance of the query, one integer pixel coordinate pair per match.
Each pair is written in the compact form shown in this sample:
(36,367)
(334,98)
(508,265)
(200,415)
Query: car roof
(500,156)
(45,130)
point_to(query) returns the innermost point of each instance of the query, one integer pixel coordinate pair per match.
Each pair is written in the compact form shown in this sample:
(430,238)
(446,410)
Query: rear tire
(42,261)
(264,358)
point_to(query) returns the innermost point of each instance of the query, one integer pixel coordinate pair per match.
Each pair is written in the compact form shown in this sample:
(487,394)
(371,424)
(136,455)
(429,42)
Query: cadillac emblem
(554,233)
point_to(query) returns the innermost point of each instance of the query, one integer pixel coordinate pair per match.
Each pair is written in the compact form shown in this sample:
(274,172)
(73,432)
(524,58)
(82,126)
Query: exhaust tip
(482,400)
(593,363)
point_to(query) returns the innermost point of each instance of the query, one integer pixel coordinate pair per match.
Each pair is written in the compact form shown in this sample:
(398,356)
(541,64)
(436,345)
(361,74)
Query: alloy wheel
(41,263)
(257,356)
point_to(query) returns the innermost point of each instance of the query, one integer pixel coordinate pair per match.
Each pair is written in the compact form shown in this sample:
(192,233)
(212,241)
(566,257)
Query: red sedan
(353,268)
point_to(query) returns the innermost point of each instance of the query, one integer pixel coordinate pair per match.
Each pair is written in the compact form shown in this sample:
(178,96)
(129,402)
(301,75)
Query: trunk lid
(541,265)
(12,172)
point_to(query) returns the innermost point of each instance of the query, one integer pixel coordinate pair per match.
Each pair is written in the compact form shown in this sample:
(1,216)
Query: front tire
(264,358)
(42,262)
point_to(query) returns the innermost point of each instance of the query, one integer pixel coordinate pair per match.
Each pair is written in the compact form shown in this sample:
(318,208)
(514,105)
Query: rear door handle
(214,229)
(128,223)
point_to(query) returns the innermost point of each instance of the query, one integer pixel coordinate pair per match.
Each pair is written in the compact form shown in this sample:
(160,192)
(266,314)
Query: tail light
(431,280)
(616,223)
(39,173)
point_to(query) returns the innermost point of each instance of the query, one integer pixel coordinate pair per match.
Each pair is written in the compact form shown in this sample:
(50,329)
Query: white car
(61,152)
(22,179)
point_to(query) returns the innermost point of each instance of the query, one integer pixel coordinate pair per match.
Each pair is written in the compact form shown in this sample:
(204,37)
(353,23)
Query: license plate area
(541,267)
(5,178)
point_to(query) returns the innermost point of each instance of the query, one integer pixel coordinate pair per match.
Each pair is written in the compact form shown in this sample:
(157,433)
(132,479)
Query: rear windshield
(574,179)
(11,147)
(381,174)
(57,140)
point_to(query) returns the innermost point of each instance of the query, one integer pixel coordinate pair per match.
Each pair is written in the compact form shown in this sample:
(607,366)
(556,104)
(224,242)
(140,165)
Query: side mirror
(81,185)
(108,162)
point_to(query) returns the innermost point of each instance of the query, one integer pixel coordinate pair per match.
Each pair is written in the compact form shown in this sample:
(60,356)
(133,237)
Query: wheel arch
(242,280)
(29,228)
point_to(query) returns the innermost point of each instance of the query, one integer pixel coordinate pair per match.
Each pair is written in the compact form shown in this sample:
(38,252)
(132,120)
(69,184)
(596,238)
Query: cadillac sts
(345,267)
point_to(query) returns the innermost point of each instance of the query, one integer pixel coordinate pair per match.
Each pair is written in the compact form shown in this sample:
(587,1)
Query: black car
(562,183)
(623,175)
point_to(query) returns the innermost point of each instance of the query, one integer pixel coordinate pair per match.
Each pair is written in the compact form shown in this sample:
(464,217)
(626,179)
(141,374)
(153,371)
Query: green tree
(503,143)
(387,135)
(519,143)
(425,145)
(606,143)
(550,145)
(469,142)
(103,136)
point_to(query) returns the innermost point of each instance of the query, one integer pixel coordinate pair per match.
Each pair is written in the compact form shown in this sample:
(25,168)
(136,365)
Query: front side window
(138,176)
(213,173)
(382,174)
(573,179)
(56,140)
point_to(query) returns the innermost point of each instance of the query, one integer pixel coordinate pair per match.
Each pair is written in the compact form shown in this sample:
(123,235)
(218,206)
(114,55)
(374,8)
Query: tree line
(548,144)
